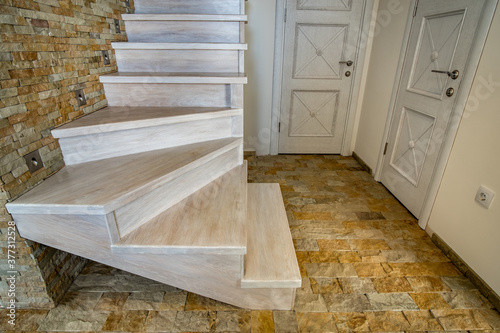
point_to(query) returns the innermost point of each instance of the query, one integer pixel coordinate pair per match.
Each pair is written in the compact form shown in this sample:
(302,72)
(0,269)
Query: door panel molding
(457,111)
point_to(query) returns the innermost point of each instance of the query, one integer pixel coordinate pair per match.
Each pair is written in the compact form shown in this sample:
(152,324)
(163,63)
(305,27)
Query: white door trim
(459,107)
(279,46)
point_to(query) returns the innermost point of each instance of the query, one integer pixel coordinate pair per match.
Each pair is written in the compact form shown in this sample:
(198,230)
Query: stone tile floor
(365,263)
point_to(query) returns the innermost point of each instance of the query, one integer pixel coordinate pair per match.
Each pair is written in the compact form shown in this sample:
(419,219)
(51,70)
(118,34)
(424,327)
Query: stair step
(179,46)
(184,17)
(99,135)
(174,78)
(188,6)
(270,261)
(101,187)
(210,221)
(180,57)
(184,28)
(120,118)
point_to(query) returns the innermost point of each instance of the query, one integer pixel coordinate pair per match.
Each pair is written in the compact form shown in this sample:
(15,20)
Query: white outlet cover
(484,196)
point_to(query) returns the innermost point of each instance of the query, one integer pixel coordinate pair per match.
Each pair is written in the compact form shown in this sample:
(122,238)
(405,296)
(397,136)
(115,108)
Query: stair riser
(140,211)
(86,148)
(167,95)
(189,6)
(213,61)
(183,32)
(214,276)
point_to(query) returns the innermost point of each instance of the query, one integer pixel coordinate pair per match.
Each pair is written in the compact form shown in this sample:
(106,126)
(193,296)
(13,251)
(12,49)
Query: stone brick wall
(48,49)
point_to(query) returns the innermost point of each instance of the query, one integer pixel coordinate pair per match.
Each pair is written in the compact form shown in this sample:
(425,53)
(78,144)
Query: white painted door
(320,36)
(441,37)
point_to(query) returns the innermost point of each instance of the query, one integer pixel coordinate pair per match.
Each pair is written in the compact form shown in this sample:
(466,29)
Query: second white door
(320,55)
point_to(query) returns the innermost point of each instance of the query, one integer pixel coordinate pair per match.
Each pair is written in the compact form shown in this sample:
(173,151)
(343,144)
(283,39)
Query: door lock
(450,92)
(348,73)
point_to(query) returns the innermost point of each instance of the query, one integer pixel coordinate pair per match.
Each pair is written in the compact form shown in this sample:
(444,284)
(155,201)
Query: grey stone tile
(285,321)
(144,300)
(347,302)
(193,321)
(309,303)
(354,285)
(457,283)
(73,321)
(306,244)
(392,302)
(466,300)
(161,321)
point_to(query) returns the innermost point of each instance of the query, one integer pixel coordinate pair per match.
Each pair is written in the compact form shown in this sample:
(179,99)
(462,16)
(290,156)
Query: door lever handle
(348,62)
(453,75)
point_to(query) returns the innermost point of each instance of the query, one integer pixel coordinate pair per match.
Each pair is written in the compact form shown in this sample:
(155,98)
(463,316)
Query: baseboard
(362,163)
(466,270)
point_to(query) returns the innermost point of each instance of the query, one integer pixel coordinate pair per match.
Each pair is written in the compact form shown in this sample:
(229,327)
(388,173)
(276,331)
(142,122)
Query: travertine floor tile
(392,285)
(347,302)
(392,302)
(422,321)
(316,322)
(427,301)
(458,319)
(387,321)
(351,321)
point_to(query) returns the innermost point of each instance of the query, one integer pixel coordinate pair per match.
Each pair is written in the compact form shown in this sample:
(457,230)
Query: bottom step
(270,261)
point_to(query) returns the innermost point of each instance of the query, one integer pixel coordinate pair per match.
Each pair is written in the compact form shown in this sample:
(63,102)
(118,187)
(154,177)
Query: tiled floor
(365,263)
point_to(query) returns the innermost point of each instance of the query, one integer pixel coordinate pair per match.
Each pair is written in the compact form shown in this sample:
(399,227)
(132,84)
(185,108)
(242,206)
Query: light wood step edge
(184,17)
(174,78)
(118,118)
(89,196)
(179,46)
(270,261)
(209,221)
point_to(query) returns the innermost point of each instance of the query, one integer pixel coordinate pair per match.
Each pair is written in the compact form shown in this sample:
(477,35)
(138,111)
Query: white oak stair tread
(184,17)
(167,77)
(118,118)
(102,186)
(210,221)
(270,261)
(178,46)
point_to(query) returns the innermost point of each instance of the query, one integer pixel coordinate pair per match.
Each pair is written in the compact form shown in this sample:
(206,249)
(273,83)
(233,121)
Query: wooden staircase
(155,183)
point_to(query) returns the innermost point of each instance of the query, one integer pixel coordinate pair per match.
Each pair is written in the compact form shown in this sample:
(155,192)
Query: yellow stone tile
(385,321)
(427,301)
(316,322)
(333,245)
(351,321)
(262,321)
(392,285)
(369,270)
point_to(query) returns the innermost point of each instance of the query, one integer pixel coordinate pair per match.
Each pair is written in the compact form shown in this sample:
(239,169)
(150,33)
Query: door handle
(453,75)
(348,62)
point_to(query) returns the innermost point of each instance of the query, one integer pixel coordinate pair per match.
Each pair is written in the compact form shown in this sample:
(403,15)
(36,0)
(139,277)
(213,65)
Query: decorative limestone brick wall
(48,50)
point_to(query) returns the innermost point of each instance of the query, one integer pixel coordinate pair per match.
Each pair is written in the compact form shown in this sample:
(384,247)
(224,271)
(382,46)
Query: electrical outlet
(117,26)
(485,196)
(105,57)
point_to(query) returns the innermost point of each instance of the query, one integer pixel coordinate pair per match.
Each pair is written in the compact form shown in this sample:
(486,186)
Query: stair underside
(210,221)
(100,187)
(119,118)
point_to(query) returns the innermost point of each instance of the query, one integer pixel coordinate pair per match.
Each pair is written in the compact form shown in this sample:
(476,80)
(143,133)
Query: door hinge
(279,127)
(285,13)
(415,9)
(385,148)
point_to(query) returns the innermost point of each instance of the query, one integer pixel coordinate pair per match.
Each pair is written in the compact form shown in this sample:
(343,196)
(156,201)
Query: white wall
(469,229)
(259,68)
(386,48)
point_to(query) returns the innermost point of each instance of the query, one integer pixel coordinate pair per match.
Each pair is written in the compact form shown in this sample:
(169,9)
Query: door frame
(364,45)
(458,108)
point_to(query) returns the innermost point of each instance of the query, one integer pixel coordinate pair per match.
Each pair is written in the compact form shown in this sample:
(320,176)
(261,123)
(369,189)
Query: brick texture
(48,49)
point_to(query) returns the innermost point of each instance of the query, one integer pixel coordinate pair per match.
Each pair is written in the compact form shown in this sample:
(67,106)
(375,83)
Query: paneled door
(441,37)
(320,54)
